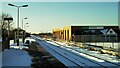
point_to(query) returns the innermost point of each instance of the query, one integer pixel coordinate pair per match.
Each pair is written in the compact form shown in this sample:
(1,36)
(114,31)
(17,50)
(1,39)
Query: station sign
(96,27)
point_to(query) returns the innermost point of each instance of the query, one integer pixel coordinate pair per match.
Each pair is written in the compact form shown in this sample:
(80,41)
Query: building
(88,33)
(45,35)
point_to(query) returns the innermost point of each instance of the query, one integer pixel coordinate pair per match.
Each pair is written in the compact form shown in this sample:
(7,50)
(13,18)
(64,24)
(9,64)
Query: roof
(111,32)
(57,29)
(104,31)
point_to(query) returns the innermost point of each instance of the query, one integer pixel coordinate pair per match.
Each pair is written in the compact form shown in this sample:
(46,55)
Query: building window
(111,31)
(65,34)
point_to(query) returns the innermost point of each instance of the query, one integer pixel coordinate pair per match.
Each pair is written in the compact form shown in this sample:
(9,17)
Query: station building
(88,33)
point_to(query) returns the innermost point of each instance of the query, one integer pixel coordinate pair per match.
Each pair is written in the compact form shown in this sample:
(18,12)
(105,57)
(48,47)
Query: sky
(45,16)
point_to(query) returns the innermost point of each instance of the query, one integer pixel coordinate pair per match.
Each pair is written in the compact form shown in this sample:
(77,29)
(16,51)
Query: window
(111,31)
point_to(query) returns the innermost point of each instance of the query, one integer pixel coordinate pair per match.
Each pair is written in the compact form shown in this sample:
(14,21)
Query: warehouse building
(88,33)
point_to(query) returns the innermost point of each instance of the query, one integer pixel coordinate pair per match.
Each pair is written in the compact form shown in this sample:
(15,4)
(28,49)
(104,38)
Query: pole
(18,29)
(22,32)
(8,41)
(25,28)
(22,23)
(17,20)
(8,28)
(75,40)
(23,36)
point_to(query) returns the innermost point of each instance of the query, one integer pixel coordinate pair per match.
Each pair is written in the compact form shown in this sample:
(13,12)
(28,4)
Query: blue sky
(45,16)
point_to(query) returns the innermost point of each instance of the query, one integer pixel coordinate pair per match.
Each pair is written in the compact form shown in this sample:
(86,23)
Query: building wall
(56,33)
(67,33)
(72,33)
(109,27)
(95,38)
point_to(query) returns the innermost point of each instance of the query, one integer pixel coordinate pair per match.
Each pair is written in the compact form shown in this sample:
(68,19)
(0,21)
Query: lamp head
(25,6)
(11,4)
(25,18)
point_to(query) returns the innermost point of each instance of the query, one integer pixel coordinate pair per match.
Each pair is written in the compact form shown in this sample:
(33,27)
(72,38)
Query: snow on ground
(93,53)
(21,45)
(15,57)
(14,46)
(30,39)
(78,59)
(58,56)
(81,52)
(105,44)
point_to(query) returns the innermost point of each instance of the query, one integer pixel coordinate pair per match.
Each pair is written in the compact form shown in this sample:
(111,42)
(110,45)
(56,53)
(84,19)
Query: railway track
(77,60)
(116,64)
(72,63)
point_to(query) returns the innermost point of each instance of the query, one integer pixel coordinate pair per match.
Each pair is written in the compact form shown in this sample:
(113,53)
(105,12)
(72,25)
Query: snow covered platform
(15,58)
(21,46)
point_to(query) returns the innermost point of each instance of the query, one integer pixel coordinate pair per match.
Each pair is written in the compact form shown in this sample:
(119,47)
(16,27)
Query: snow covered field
(105,44)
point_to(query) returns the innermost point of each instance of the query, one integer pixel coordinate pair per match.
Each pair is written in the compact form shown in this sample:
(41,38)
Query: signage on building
(111,32)
(96,27)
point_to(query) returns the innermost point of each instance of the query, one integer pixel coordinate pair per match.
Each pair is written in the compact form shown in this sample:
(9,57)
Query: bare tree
(3,24)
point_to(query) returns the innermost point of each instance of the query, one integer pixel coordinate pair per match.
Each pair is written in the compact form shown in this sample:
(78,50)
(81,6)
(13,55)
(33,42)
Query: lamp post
(18,7)
(25,28)
(23,37)
(23,21)
(74,39)
(26,25)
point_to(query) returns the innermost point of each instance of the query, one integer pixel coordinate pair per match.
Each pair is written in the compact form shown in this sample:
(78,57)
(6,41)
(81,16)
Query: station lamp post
(23,21)
(18,7)
(26,25)
(23,35)
(74,39)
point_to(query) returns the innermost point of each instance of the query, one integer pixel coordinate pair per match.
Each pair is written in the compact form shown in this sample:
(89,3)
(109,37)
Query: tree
(4,27)
(3,24)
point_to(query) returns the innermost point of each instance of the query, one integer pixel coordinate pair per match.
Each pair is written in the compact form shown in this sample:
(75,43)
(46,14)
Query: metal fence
(97,38)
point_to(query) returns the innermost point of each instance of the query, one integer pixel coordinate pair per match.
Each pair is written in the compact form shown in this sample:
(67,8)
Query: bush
(35,59)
